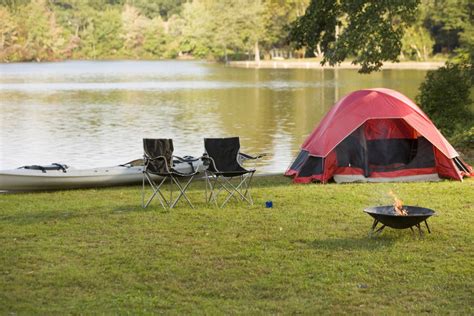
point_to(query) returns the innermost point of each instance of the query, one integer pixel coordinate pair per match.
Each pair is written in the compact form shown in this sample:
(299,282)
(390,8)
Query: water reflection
(96,113)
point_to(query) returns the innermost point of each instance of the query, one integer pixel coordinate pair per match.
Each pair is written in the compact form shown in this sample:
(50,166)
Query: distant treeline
(42,30)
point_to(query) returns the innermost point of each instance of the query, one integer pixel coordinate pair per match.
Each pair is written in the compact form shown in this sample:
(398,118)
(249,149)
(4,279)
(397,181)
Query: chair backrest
(224,152)
(158,147)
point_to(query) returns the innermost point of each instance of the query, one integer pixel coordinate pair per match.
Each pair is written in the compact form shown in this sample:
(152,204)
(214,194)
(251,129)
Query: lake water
(87,113)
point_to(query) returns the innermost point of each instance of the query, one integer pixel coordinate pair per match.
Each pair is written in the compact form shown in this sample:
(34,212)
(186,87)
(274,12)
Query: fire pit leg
(427,227)
(378,231)
(374,225)
(419,229)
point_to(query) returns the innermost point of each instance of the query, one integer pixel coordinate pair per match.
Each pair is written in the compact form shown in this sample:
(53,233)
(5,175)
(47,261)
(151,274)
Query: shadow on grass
(271,180)
(37,217)
(135,208)
(360,243)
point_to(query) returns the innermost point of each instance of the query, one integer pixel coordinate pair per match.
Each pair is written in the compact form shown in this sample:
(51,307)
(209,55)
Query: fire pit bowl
(389,217)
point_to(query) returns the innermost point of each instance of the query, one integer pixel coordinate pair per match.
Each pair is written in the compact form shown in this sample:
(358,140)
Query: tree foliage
(157,8)
(368,31)
(446,20)
(417,42)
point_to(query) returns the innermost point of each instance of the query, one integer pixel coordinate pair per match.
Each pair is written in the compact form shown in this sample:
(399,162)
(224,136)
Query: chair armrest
(147,160)
(187,159)
(190,161)
(133,163)
(154,158)
(247,156)
(208,161)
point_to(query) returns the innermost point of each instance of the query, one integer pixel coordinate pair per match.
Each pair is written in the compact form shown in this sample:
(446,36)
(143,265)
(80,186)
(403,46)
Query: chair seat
(173,173)
(181,174)
(232,173)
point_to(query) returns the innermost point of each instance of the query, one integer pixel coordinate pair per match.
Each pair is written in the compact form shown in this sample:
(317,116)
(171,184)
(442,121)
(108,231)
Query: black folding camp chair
(223,158)
(158,165)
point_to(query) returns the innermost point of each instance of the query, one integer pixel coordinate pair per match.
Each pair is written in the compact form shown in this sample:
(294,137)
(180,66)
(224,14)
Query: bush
(464,139)
(445,97)
(464,143)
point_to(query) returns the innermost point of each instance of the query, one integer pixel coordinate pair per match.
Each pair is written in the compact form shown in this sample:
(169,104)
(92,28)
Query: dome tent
(376,135)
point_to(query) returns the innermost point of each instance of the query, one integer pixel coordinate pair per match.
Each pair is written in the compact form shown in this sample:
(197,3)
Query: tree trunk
(318,50)
(257,52)
(425,53)
(418,53)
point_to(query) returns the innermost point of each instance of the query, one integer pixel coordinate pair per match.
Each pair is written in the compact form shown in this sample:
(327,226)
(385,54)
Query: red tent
(376,135)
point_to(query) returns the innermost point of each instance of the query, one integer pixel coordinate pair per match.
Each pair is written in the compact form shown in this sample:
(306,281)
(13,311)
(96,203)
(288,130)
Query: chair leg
(237,189)
(171,189)
(182,190)
(217,187)
(156,190)
(205,191)
(209,178)
(143,189)
(217,184)
(247,188)
(212,181)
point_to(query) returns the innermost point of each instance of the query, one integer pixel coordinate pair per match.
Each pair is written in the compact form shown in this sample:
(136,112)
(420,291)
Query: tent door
(352,152)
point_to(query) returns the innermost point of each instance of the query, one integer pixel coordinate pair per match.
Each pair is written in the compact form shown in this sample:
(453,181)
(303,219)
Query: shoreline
(264,64)
(315,64)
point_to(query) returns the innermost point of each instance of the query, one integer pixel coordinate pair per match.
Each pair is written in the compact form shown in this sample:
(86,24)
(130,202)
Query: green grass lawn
(98,251)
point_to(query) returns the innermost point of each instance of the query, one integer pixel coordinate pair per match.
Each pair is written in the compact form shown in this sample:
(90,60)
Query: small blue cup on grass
(269,204)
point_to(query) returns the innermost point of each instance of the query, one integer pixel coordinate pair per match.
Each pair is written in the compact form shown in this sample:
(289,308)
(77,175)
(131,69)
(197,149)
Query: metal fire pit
(387,216)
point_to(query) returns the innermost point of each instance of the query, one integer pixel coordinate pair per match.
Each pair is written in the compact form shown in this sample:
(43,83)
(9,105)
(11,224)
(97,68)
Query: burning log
(398,205)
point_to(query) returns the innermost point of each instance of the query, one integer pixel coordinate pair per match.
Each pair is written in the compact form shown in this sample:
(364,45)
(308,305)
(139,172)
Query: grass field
(97,251)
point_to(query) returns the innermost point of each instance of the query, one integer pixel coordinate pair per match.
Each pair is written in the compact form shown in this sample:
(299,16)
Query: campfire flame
(398,205)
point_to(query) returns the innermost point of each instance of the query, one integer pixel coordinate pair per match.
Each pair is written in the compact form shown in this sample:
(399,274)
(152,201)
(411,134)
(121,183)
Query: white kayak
(60,176)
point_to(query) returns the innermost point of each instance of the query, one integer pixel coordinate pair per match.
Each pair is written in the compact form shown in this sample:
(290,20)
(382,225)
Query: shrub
(464,139)
(445,97)
(464,144)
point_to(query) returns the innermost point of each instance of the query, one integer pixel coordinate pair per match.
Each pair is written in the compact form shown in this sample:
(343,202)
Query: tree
(107,28)
(417,43)
(39,34)
(465,52)
(221,28)
(8,35)
(13,5)
(239,25)
(155,39)
(277,16)
(446,20)
(163,8)
(132,31)
(369,31)
(197,29)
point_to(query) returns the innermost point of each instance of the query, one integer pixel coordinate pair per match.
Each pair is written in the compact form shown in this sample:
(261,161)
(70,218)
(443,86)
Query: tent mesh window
(386,152)
(299,160)
(351,152)
(397,154)
(384,155)
(312,166)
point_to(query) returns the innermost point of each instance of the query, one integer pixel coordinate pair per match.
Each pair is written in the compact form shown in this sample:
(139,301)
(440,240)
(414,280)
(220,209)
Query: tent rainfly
(376,135)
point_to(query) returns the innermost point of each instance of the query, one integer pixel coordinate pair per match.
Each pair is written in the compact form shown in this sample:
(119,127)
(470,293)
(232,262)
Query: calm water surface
(96,113)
